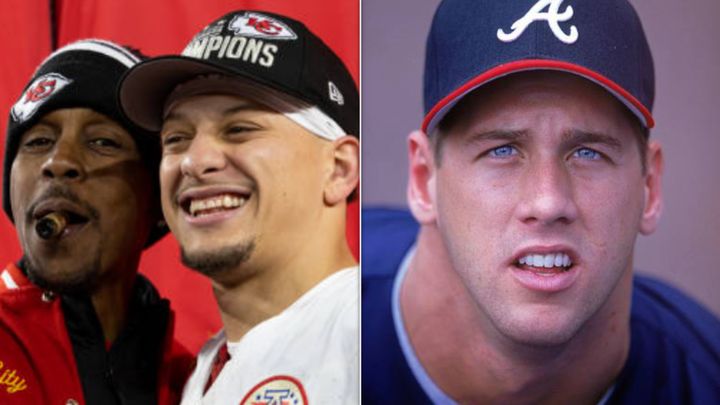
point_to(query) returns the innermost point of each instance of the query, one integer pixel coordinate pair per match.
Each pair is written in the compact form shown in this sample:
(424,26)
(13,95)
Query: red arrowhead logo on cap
(260,26)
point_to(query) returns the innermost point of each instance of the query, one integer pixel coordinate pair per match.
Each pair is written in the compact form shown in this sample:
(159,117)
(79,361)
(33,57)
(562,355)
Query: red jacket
(37,365)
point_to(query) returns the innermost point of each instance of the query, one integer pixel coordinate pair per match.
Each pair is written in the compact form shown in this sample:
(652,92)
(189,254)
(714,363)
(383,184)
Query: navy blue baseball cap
(473,42)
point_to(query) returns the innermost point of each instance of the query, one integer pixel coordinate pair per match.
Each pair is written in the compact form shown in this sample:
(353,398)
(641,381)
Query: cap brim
(144,89)
(439,110)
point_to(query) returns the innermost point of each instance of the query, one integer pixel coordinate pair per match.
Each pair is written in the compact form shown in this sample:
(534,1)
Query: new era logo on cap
(335,94)
(37,94)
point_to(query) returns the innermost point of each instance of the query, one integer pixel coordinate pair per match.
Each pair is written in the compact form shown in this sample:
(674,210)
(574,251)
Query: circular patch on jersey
(276,390)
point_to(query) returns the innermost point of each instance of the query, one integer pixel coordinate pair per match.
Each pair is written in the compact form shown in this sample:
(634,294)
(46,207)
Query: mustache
(64,192)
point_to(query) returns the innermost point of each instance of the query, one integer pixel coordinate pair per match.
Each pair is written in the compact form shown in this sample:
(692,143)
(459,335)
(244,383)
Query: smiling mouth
(197,207)
(550,263)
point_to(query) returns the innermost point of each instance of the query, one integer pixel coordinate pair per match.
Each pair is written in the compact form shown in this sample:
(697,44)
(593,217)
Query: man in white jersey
(256,172)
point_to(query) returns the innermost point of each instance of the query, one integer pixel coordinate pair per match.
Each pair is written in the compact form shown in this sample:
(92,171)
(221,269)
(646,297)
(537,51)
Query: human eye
(587,154)
(174,141)
(168,139)
(37,141)
(239,129)
(173,133)
(504,151)
(106,137)
(105,143)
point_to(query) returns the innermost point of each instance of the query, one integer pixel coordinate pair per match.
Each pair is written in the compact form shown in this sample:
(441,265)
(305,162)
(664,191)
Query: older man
(77,323)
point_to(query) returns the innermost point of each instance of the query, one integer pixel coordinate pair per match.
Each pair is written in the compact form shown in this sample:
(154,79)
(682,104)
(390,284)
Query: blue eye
(503,151)
(586,153)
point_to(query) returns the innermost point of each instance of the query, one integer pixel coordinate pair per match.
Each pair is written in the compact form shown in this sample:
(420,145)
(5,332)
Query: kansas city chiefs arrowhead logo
(261,26)
(39,91)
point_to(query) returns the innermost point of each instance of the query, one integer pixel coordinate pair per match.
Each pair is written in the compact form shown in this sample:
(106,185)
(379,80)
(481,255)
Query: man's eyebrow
(578,136)
(242,107)
(497,135)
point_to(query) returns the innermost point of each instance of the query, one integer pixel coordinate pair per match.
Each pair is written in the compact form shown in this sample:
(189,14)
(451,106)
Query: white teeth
(219,201)
(547,261)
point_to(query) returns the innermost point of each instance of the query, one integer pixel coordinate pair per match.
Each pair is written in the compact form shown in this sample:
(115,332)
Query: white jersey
(309,353)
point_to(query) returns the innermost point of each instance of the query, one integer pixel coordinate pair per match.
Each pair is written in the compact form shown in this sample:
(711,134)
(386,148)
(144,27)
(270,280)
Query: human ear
(344,176)
(421,182)
(653,189)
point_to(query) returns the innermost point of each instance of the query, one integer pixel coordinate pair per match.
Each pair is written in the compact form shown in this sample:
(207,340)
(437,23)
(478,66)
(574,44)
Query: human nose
(204,156)
(548,195)
(64,162)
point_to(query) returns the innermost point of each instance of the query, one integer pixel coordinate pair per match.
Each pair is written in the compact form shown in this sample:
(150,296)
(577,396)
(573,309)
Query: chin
(539,328)
(217,261)
(62,275)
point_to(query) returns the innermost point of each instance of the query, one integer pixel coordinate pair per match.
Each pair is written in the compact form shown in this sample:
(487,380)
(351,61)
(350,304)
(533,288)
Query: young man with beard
(531,178)
(257,166)
(77,323)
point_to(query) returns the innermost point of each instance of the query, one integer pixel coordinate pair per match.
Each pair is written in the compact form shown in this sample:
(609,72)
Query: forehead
(525,96)
(80,116)
(211,104)
(216,111)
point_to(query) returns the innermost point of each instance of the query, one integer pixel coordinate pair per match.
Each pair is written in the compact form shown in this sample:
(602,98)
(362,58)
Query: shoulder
(677,318)
(12,278)
(674,351)
(36,362)
(378,220)
(387,235)
(336,312)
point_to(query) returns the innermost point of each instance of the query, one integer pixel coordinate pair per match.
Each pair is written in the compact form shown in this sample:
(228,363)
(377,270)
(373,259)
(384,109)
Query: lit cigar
(51,225)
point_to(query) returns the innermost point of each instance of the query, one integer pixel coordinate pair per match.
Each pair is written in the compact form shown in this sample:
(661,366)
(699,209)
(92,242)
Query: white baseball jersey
(309,353)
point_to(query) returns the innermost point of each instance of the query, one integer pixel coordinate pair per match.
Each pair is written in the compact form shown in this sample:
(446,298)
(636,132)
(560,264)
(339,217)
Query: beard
(220,261)
(83,278)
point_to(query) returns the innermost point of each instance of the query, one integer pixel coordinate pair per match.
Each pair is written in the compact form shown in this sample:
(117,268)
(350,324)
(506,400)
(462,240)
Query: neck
(441,316)
(111,299)
(258,290)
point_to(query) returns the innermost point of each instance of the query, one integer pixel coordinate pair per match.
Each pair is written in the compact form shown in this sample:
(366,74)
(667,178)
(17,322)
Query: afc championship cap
(262,48)
(473,42)
(82,74)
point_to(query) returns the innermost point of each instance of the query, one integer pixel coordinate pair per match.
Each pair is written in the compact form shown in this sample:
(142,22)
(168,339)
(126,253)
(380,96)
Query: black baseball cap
(262,47)
(473,42)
